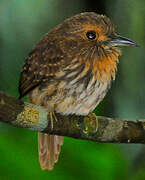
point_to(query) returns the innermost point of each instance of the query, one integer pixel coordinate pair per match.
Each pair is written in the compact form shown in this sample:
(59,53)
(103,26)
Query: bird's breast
(78,99)
(78,88)
(85,83)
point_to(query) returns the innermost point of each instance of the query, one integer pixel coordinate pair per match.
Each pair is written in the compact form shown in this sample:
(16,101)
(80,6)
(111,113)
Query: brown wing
(42,64)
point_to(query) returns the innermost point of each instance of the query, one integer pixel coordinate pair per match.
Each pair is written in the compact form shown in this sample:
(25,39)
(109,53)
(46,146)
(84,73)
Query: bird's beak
(121,41)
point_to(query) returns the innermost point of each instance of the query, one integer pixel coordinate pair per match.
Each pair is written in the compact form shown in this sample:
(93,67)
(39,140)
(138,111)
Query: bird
(69,71)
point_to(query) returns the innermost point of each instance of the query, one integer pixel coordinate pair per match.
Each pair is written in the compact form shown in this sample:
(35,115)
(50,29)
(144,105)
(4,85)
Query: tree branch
(91,127)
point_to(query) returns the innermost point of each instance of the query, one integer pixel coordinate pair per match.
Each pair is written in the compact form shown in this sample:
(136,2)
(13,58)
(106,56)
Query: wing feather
(42,64)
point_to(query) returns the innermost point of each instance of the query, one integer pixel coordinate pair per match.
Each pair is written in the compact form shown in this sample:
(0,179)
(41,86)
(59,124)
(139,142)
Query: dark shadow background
(22,23)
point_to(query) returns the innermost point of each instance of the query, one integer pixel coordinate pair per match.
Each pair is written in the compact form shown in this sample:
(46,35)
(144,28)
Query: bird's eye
(91,35)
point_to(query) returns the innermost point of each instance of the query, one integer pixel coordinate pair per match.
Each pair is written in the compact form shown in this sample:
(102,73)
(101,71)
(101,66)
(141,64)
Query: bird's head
(90,30)
(91,38)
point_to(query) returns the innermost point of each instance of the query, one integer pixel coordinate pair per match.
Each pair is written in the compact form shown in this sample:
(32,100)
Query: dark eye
(91,35)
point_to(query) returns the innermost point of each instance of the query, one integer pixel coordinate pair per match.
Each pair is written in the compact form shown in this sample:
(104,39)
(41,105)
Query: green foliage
(78,160)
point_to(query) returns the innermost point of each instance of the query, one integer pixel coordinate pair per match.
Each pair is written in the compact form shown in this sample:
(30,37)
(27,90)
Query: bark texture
(91,127)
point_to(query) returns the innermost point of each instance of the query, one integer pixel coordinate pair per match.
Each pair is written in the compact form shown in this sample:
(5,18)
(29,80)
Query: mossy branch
(91,127)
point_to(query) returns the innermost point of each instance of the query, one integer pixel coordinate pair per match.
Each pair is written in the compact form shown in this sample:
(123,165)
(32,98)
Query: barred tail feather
(49,147)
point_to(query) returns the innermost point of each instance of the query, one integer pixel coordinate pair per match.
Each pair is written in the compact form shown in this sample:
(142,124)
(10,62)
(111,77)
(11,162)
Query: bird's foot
(91,123)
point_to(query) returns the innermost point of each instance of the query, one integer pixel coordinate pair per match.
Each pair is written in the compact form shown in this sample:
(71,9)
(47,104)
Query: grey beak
(121,41)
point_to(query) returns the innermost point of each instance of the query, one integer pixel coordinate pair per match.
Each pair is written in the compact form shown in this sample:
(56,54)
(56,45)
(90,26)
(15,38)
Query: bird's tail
(49,147)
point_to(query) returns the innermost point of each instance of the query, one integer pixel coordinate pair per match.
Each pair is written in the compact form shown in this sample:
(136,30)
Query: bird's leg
(52,118)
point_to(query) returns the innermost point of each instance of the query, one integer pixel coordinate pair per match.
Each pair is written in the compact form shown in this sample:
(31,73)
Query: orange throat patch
(105,68)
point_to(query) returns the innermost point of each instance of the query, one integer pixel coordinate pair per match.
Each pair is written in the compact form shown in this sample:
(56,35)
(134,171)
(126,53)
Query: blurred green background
(22,23)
